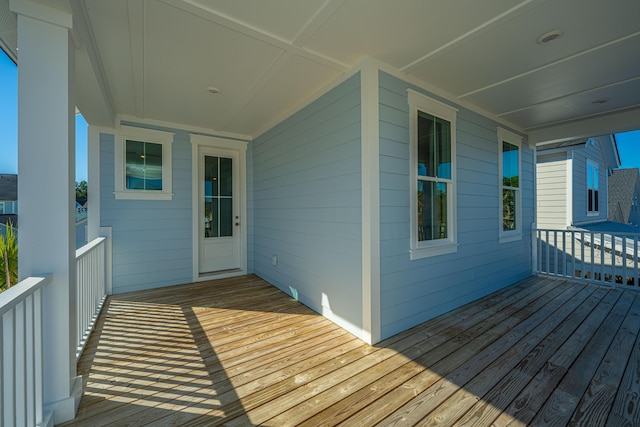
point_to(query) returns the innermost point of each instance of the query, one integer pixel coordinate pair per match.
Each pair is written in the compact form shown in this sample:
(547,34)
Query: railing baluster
(580,261)
(21,353)
(90,271)
(573,254)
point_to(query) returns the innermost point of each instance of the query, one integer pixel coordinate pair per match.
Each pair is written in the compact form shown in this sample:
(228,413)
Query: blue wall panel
(415,291)
(152,243)
(306,205)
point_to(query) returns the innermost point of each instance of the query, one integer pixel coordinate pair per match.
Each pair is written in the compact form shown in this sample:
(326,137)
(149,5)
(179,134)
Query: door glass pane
(210,218)
(226,217)
(218,197)
(226,177)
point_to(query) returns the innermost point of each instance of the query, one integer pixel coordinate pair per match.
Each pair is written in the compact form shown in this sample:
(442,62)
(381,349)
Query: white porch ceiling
(154,59)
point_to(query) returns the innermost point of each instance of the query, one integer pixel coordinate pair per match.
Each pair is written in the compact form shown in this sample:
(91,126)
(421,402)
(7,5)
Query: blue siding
(152,243)
(305,204)
(415,291)
(590,151)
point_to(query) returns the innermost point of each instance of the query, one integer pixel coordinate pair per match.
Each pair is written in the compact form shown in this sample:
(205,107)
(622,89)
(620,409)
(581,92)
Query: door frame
(198,143)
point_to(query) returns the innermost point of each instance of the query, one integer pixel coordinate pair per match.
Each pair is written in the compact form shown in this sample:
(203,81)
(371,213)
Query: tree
(8,258)
(81,189)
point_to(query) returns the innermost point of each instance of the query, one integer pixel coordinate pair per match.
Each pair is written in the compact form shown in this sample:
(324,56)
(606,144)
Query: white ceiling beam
(520,8)
(214,16)
(319,18)
(551,64)
(85,34)
(582,92)
(136,23)
(605,124)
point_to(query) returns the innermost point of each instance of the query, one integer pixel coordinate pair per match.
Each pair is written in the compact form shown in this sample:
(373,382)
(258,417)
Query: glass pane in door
(218,197)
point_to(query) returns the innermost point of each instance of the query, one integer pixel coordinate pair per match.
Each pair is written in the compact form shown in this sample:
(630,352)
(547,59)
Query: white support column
(46,167)
(93,148)
(370,146)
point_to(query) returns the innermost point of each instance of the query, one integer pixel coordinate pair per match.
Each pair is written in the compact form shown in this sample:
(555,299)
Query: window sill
(506,238)
(435,250)
(593,213)
(142,195)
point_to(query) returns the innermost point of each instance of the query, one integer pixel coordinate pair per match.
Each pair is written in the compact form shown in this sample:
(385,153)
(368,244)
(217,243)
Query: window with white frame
(592,188)
(143,164)
(432,163)
(510,190)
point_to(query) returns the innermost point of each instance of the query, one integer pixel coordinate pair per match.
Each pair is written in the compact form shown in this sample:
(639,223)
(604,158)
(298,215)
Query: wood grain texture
(239,352)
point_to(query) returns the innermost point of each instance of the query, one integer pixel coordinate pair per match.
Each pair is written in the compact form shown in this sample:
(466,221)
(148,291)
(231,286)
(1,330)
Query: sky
(628,143)
(9,123)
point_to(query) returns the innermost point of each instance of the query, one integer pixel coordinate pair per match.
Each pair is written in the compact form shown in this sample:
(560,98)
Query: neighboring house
(624,189)
(9,199)
(571,180)
(374,160)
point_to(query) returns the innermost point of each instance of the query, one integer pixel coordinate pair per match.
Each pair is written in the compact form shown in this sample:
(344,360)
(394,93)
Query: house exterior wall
(152,239)
(305,205)
(552,173)
(590,151)
(415,291)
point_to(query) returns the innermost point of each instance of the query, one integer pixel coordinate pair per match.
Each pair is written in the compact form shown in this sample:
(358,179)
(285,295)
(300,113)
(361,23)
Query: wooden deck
(239,352)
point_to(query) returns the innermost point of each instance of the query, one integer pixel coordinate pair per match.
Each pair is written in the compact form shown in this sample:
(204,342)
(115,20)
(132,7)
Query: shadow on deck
(240,352)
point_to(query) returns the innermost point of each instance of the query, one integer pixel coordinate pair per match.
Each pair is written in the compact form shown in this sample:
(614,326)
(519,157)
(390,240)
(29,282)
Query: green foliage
(8,259)
(81,189)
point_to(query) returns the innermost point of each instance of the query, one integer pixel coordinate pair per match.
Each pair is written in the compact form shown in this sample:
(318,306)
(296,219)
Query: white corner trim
(370,152)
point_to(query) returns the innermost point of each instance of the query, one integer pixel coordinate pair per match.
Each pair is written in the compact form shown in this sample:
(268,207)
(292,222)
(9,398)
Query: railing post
(534,249)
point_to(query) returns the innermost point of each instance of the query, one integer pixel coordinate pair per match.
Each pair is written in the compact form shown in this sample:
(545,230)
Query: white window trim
(145,135)
(597,168)
(511,235)
(418,250)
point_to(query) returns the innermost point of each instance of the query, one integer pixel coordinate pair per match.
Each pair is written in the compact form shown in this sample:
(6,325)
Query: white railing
(91,288)
(592,256)
(21,365)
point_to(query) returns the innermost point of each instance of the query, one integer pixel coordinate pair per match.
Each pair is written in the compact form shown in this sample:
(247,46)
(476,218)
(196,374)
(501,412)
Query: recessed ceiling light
(600,101)
(550,36)
(213,90)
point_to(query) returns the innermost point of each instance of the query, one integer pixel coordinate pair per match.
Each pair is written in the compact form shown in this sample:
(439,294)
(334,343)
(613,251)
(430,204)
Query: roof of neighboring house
(9,218)
(611,227)
(563,144)
(623,183)
(608,144)
(8,187)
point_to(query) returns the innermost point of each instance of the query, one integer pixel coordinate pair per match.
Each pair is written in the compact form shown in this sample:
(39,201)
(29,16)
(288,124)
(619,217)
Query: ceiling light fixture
(213,90)
(550,36)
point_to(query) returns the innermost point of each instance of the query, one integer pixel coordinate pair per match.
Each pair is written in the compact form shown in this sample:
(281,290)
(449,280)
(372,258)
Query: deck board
(239,352)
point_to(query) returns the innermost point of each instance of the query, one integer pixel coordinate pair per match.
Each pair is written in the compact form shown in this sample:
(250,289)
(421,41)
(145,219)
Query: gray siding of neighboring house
(551,171)
(415,291)
(590,151)
(306,205)
(152,239)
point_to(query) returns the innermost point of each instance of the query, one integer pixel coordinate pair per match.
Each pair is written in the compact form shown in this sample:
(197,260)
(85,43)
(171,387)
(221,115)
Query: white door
(219,213)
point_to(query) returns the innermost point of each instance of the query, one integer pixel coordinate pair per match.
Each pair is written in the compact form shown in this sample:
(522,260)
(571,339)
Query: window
(432,163)
(592,188)
(143,164)
(510,191)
